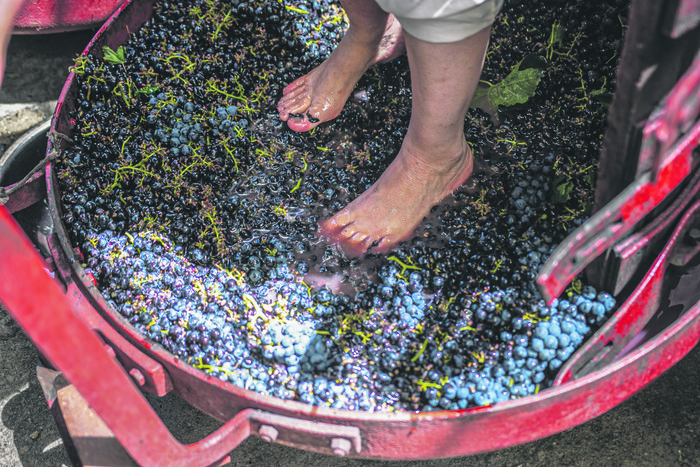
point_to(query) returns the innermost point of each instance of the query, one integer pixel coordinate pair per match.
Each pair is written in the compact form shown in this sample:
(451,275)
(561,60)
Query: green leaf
(516,88)
(562,191)
(114,57)
(480,100)
(147,90)
(532,61)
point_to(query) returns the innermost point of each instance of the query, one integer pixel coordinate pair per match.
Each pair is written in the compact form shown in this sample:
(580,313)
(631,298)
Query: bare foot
(320,95)
(391,209)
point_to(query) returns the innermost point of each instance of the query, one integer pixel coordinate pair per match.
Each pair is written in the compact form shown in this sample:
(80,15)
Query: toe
(333,232)
(292,105)
(338,226)
(294,85)
(349,232)
(296,105)
(300,124)
(294,93)
(357,244)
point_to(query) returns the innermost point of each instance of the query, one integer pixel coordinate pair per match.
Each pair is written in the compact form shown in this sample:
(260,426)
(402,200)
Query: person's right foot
(320,95)
(391,209)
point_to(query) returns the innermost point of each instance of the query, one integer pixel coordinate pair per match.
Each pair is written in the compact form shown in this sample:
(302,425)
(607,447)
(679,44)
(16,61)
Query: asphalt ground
(658,426)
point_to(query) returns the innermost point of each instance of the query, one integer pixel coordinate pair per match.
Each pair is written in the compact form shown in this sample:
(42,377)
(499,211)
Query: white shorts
(442,20)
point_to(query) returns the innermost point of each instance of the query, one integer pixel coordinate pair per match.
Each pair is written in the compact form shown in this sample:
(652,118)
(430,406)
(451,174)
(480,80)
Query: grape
(204,243)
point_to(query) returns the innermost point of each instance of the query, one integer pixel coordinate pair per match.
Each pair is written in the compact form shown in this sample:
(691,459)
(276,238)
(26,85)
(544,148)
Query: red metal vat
(585,388)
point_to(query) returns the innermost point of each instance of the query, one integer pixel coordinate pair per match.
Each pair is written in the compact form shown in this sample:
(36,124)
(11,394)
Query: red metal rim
(52,16)
(384,435)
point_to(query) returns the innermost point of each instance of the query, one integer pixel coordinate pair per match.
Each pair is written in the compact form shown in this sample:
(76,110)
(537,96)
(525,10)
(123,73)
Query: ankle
(439,155)
(367,33)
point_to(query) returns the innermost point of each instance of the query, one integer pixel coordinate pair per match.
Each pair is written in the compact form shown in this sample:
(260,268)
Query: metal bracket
(673,118)
(332,438)
(24,193)
(628,257)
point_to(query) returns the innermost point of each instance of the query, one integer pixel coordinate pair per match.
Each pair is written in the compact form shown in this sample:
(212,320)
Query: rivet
(268,433)
(137,376)
(340,446)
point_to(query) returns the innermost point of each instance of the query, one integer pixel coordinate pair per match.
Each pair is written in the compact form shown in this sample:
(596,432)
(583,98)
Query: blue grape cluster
(287,341)
(321,391)
(401,299)
(206,316)
(181,126)
(540,342)
(224,124)
(320,355)
(531,192)
(318,27)
(175,124)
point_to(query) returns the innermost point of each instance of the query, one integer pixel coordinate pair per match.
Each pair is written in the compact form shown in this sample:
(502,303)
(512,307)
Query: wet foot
(320,95)
(393,207)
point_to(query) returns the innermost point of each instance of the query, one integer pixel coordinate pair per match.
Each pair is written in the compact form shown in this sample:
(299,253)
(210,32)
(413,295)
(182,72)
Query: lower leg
(443,80)
(319,96)
(434,158)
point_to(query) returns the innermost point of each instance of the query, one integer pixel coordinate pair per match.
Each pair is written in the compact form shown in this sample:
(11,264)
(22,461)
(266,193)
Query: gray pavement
(659,426)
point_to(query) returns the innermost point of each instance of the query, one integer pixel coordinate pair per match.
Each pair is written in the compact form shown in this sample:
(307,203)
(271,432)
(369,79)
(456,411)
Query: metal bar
(33,191)
(148,374)
(628,257)
(65,340)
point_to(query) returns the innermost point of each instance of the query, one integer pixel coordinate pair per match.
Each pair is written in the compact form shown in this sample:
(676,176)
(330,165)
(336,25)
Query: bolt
(137,376)
(268,433)
(340,446)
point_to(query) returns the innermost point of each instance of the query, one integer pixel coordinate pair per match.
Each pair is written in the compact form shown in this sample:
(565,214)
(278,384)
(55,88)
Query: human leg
(373,36)
(434,158)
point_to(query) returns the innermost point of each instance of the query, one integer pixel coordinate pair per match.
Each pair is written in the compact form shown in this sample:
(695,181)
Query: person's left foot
(320,95)
(393,207)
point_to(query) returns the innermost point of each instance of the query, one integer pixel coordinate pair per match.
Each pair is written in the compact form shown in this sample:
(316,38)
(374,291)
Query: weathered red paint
(676,168)
(51,16)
